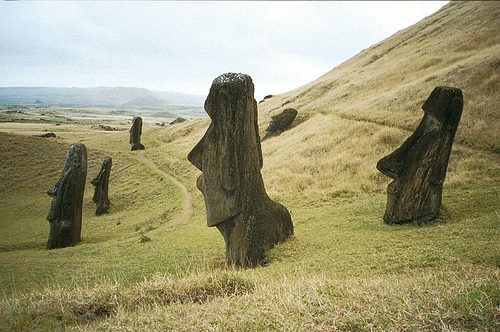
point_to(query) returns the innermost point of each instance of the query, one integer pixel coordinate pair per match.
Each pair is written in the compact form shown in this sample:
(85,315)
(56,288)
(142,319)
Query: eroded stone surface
(265,98)
(230,158)
(281,122)
(135,134)
(419,166)
(101,183)
(178,120)
(65,215)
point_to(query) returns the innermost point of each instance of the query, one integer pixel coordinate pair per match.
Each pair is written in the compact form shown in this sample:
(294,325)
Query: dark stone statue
(65,215)
(281,122)
(230,158)
(265,97)
(178,120)
(418,167)
(135,134)
(100,182)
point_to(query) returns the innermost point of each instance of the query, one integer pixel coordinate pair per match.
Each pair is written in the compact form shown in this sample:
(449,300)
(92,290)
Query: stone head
(443,104)
(136,129)
(419,165)
(229,154)
(74,171)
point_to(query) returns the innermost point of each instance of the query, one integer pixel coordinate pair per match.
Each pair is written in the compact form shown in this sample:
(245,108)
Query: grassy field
(151,264)
(343,270)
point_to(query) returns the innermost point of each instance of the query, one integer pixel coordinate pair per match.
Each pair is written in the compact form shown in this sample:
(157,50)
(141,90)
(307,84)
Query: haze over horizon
(183,46)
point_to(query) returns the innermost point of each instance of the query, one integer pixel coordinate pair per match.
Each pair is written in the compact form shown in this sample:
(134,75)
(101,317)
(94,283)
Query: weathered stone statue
(230,158)
(65,215)
(178,120)
(281,122)
(100,182)
(135,134)
(418,167)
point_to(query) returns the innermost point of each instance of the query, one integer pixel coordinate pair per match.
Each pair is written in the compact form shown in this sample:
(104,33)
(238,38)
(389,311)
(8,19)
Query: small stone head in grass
(230,158)
(418,167)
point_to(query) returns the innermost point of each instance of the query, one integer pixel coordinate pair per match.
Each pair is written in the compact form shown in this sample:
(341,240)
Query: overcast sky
(183,46)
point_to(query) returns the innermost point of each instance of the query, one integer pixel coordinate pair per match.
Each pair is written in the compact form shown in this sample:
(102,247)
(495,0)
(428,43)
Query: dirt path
(187,208)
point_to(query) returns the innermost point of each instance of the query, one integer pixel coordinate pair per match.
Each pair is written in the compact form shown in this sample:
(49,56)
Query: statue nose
(196,155)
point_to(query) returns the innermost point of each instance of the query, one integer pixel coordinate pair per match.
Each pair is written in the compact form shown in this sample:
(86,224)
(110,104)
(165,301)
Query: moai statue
(65,215)
(100,182)
(230,158)
(281,122)
(135,134)
(418,167)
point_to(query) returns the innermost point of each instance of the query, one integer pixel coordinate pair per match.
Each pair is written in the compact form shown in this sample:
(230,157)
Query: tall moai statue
(65,215)
(101,182)
(230,158)
(135,134)
(418,167)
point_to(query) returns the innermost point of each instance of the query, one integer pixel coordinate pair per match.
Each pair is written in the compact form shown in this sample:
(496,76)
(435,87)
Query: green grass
(107,241)
(343,270)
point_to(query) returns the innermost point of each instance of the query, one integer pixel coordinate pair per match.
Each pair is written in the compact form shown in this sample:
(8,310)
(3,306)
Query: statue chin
(218,210)
(215,218)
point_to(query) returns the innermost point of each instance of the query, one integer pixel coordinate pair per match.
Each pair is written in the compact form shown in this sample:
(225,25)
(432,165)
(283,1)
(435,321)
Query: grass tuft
(60,307)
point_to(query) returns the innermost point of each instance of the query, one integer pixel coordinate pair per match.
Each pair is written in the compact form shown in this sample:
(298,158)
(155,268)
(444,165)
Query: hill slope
(366,107)
(387,83)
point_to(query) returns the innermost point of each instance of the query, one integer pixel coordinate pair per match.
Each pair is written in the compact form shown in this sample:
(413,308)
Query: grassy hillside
(387,83)
(152,264)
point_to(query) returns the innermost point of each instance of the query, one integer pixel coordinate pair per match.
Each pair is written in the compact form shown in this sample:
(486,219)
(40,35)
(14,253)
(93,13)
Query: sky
(183,46)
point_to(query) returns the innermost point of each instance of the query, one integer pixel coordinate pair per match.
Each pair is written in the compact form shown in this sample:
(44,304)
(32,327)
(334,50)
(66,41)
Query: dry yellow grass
(365,108)
(387,83)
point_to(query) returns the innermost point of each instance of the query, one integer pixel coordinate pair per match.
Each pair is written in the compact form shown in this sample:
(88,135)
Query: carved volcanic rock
(65,216)
(135,134)
(230,158)
(419,166)
(281,122)
(178,120)
(265,97)
(101,182)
